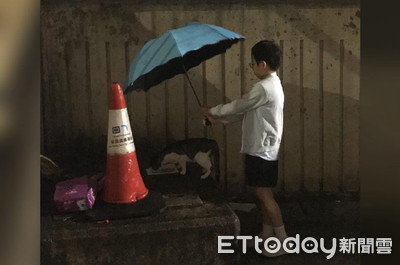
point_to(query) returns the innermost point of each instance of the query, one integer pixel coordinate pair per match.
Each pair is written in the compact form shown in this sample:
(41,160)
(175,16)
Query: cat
(202,151)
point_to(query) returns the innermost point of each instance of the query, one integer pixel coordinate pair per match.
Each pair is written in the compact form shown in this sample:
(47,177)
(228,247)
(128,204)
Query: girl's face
(260,69)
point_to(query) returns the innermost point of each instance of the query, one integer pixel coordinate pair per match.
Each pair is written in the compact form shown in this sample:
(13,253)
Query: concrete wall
(87,45)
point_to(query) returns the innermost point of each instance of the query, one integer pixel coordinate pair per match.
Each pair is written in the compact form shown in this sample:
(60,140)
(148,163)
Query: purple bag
(76,194)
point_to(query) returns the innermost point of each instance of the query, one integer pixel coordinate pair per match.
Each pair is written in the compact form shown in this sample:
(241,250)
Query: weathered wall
(86,46)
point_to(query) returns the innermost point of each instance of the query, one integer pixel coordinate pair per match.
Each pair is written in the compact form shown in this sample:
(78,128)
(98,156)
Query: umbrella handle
(206,122)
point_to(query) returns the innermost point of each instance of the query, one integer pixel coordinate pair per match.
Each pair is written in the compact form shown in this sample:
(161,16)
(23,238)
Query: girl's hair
(268,51)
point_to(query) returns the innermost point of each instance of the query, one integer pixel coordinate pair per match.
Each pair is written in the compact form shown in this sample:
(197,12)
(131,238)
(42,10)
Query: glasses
(252,64)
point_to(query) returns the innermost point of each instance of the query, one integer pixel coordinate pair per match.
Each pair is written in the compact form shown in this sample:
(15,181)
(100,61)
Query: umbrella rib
(156,52)
(223,35)
(177,46)
(142,52)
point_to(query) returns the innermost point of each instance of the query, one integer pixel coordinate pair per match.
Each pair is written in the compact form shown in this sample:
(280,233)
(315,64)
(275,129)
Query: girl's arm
(251,100)
(225,119)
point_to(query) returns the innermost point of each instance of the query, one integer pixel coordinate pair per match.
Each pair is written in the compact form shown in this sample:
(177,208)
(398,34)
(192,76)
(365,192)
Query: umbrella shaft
(191,85)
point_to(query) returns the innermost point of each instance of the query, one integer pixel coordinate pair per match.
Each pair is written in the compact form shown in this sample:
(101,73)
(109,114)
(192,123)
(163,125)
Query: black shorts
(260,172)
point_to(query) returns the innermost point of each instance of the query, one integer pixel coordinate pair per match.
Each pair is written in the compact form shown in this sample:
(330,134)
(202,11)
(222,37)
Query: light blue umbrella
(175,52)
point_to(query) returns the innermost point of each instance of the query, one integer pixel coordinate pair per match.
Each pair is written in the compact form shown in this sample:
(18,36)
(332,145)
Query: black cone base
(152,204)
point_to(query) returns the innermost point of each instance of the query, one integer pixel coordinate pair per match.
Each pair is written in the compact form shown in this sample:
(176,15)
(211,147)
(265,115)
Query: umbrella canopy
(175,52)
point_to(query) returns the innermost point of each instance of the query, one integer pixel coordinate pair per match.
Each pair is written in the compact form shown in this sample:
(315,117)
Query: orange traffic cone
(123,182)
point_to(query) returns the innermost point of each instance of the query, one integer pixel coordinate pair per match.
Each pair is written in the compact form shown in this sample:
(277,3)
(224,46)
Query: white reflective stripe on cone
(119,138)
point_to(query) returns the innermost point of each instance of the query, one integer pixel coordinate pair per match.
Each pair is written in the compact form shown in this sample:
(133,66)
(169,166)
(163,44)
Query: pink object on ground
(76,194)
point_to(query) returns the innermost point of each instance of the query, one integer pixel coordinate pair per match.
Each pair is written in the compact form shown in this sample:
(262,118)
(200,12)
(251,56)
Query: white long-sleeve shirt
(261,112)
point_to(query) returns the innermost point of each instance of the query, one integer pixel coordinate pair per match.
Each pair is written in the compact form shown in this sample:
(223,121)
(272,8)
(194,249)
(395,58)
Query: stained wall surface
(87,45)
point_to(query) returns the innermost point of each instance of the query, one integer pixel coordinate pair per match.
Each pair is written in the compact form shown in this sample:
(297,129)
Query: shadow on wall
(315,33)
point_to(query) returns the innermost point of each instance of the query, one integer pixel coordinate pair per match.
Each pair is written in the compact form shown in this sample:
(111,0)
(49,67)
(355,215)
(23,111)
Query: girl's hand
(205,111)
(214,119)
